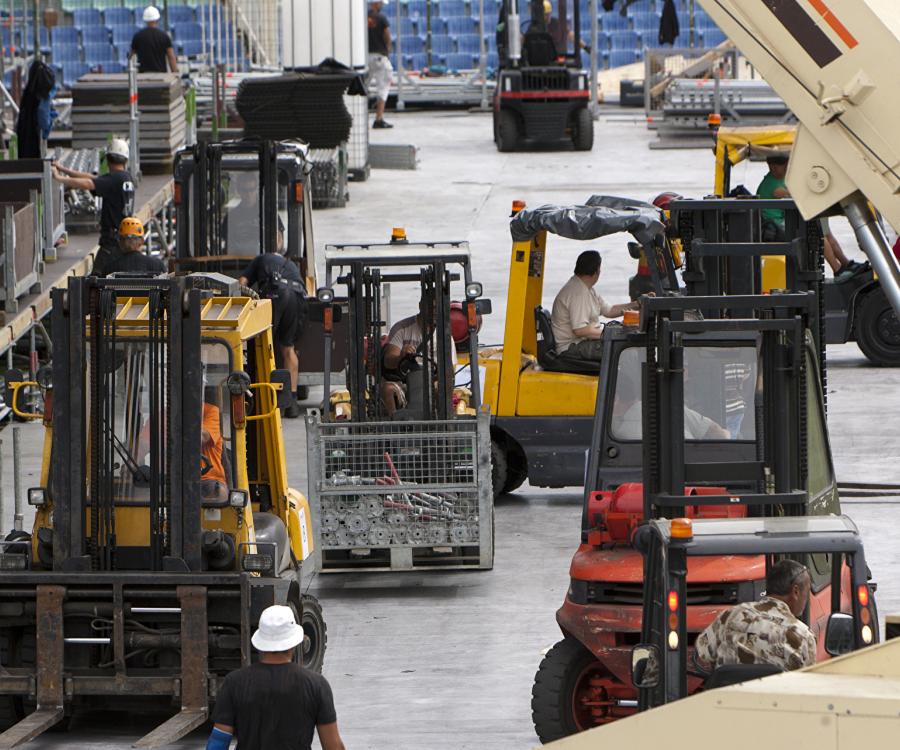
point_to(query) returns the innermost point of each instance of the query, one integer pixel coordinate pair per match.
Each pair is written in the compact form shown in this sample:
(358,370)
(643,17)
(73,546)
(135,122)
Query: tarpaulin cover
(604,215)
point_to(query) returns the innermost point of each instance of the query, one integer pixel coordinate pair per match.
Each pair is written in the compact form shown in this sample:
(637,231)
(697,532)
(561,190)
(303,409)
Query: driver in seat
(577,310)
(401,354)
(767,631)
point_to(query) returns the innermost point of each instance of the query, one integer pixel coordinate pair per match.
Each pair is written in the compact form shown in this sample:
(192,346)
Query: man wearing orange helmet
(131,259)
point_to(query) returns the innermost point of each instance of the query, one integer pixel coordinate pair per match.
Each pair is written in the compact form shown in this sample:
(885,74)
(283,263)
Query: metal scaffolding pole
(595,92)
(482,57)
(398,47)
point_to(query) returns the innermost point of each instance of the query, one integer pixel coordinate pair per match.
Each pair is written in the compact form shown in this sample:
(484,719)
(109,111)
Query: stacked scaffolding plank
(100,107)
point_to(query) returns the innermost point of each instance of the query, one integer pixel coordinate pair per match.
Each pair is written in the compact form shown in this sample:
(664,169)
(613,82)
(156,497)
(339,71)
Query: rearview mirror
(634,250)
(285,396)
(839,634)
(645,666)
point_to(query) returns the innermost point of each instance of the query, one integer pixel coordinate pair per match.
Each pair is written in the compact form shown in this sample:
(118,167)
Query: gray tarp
(601,216)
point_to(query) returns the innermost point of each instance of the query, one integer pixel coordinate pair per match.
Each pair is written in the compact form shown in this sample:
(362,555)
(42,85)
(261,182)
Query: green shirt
(766,190)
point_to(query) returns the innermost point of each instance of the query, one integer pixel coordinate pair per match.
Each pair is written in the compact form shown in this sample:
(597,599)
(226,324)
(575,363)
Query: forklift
(856,309)
(713,416)
(399,459)
(543,91)
(164,523)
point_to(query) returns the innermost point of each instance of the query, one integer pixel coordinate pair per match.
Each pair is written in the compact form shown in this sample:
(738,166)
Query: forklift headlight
(325,294)
(258,563)
(13,561)
(474,290)
(238,498)
(37,496)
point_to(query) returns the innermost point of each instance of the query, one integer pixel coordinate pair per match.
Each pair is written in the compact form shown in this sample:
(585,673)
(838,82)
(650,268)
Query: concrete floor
(446,660)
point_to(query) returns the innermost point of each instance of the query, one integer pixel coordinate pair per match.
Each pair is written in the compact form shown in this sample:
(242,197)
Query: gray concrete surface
(446,660)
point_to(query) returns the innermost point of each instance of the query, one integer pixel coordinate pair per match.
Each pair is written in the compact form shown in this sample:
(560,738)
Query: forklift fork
(194,682)
(49,670)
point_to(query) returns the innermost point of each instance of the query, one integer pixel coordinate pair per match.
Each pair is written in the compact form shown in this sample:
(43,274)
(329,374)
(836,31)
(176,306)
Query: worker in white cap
(116,191)
(275,703)
(153,46)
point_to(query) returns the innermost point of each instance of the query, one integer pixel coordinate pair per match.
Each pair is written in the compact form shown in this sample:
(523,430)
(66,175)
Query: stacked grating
(100,107)
(296,105)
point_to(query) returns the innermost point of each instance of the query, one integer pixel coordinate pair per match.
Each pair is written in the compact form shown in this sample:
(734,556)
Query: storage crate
(358,145)
(328,179)
(20,251)
(401,495)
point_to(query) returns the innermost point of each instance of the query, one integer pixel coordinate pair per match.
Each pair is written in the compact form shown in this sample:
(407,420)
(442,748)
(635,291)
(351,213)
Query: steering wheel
(205,465)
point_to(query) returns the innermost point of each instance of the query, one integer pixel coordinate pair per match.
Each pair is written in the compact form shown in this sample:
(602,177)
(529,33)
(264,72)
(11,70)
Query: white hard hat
(118,147)
(151,14)
(278,630)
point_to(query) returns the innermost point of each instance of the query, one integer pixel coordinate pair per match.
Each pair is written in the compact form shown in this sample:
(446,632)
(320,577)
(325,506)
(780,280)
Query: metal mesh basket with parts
(328,179)
(401,495)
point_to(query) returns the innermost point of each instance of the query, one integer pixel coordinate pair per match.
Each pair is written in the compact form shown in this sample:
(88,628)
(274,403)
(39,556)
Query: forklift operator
(401,352)
(767,631)
(577,310)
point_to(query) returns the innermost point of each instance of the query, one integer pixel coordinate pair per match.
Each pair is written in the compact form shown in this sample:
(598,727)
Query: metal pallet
(401,495)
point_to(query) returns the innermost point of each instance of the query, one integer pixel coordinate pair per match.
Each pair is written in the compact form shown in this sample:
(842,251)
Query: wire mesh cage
(385,488)
(328,179)
(358,143)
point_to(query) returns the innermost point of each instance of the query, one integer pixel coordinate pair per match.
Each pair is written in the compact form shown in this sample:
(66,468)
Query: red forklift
(543,91)
(713,416)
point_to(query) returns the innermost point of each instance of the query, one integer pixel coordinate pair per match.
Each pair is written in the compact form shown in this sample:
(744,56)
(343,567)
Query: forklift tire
(507,131)
(583,130)
(553,693)
(509,467)
(878,330)
(316,632)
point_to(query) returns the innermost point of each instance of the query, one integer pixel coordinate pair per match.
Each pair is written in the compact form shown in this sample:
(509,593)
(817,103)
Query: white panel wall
(316,29)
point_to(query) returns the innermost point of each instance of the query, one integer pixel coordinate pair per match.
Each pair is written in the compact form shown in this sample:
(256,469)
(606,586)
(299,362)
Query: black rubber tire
(499,468)
(507,131)
(313,622)
(878,330)
(553,689)
(11,711)
(583,130)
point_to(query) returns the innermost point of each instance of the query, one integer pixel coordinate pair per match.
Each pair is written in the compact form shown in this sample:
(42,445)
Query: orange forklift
(712,417)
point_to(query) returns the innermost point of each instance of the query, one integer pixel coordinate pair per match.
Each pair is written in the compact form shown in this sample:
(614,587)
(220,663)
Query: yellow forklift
(164,523)
(542,402)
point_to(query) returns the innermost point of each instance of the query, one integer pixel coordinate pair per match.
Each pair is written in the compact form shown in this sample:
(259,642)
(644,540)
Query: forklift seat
(539,49)
(549,358)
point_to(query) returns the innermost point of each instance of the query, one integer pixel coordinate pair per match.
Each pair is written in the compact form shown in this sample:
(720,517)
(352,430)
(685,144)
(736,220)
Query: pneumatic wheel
(583,130)
(878,330)
(572,692)
(507,131)
(315,632)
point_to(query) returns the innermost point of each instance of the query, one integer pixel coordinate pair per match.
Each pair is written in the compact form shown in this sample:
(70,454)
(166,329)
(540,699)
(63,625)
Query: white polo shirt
(577,305)
(408,332)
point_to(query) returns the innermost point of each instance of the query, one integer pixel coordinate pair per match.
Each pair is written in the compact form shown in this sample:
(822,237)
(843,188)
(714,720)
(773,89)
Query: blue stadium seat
(95,35)
(619,57)
(702,20)
(416,8)
(190,47)
(113,67)
(490,41)
(65,35)
(711,37)
(442,44)
(124,34)
(493,60)
(469,43)
(180,14)
(72,71)
(66,53)
(118,17)
(190,30)
(449,8)
(411,45)
(99,54)
(25,39)
(122,51)
(408,26)
(645,21)
(619,40)
(602,41)
(461,25)
(438,25)
(614,22)
(460,61)
(85,17)
(415,62)
(640,6)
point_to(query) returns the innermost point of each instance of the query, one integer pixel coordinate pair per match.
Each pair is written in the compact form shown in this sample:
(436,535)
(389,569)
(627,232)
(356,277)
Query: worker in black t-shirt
(130,258)
(153,46)
(115,189)
(380,69)
(277,278)
(275,703)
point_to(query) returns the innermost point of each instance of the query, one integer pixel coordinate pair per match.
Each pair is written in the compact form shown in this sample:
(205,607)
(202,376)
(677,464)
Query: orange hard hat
(131,227)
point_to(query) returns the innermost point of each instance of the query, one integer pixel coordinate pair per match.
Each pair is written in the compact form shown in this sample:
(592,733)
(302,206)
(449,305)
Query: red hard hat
(663,200)
(459,326)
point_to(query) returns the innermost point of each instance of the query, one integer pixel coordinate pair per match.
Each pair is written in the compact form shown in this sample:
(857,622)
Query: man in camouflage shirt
(766,631)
